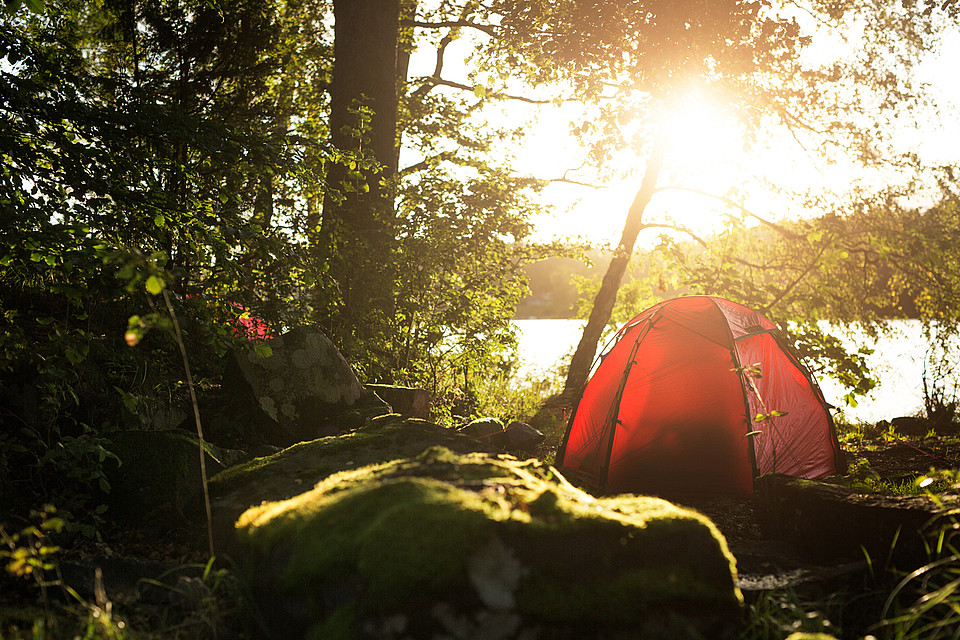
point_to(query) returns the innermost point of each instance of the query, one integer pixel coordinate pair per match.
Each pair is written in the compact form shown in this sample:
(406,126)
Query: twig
(196,417)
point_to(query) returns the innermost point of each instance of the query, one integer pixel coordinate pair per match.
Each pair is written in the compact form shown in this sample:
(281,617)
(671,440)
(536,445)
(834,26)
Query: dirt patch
(901,459)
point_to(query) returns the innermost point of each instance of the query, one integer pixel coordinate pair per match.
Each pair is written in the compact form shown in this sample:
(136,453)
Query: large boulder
(158,481)
(517,437)
(480,546)
(297,468)
(303,390)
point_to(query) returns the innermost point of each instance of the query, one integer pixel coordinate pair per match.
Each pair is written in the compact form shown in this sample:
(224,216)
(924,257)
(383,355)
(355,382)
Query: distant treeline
(553,285)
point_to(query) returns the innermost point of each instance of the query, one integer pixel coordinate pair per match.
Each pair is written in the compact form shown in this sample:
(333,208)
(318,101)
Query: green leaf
(760,417)
(154,285)
(53,524)
(778,414)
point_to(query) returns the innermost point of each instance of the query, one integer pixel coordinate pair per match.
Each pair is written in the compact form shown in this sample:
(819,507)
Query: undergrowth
(774,615)
(200,601)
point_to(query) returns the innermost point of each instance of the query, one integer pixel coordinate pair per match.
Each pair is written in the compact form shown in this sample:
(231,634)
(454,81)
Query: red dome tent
(689,400)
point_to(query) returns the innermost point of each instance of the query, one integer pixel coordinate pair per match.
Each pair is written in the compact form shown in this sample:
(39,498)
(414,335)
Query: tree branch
(488,29)
(675,227)
(426,163)
(566,180)
(783,294)
(435,81)
(736,205)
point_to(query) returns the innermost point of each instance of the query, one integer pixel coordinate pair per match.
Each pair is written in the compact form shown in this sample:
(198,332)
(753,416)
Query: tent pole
(612,420)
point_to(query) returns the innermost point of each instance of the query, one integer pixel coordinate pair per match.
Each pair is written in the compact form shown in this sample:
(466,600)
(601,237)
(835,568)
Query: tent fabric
(672,406)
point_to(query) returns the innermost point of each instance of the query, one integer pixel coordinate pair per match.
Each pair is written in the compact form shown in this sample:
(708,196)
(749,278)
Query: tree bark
(603,304)
(357,236)
(365,72)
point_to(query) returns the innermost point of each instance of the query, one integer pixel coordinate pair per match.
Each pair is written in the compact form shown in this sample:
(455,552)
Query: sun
(700,139)
(710,173)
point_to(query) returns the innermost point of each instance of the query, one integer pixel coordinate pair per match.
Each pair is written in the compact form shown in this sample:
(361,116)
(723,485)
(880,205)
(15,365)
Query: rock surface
(828,522)
(517,437)
(480,546)
(305,388)
(407,401)
(298,468)
(482,427)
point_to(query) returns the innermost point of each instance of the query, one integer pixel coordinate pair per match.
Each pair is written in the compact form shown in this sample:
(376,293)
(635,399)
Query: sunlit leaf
(154,285)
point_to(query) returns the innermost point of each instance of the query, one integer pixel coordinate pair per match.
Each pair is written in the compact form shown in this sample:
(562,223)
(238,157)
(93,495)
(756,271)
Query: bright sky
(705,154)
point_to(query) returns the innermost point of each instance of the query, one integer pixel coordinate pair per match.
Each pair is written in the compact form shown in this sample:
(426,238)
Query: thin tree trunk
(607,295)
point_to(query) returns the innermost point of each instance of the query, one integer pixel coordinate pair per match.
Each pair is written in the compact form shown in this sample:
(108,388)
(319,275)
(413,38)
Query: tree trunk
(586,351)
(365,73)
(357,230)
(408,11)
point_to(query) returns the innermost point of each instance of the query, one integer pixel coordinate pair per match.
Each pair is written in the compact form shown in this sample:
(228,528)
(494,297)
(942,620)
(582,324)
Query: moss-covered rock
(471,546)
(482,427)
(158,478)
(296,469)
(828,522)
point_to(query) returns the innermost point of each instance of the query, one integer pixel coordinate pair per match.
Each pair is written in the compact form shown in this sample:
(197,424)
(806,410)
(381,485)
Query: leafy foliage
(117,155)
(181,149)
(859,267)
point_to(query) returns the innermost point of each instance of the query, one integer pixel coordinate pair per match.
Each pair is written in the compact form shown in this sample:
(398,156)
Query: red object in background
(673,406)
(249,326)
(245,325)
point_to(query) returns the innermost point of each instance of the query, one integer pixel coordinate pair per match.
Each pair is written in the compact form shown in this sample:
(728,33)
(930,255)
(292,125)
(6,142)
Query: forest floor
(195,603)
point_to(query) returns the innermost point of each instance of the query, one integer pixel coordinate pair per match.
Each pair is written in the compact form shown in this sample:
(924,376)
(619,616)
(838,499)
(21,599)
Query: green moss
(399,534)
(299,467)
(475,531)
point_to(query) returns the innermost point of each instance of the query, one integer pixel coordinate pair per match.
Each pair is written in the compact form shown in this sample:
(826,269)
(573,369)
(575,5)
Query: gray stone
(407,401)
(522,438)
(304,389)
(517,437)
(911,426)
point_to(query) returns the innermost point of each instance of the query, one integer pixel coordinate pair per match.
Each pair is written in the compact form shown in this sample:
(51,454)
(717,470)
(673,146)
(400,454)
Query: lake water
(897,362)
